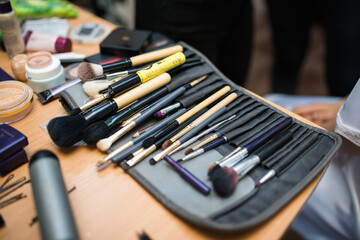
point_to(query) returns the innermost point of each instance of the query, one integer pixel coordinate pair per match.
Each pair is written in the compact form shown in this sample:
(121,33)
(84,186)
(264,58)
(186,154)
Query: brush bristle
(87,71)
(224,181)
(67,130)
(96,131)
(124,165)
(188,151)
(104,144)
(92,88)
(152,161)
(75,111)
(166,144)
(148,142)
(212,169)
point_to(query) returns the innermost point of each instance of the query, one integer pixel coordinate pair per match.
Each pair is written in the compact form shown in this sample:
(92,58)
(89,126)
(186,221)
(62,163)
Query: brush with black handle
(138,157)
(67,130)
(88,70)
(250,147)
(106,161)
(229,133)
(225,179)
(138,78)
(206,102)
(242,117)
(129,153)
(105,143)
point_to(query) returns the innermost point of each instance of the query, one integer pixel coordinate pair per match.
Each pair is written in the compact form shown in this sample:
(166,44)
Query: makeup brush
(149,141)
(139,139)
(88,70)
(105,144)
(188,135)
(284,163)
(225,179)
(116,74)
(190,99)
(67,130)
(172,143)
(129,153)
(138,78)
(227,136)
(242,118)
(100,129)
(194,139)
(250,147)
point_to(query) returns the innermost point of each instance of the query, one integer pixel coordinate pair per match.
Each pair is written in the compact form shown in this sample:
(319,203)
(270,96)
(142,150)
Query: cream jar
(43,71)
(18,63)
(15,101)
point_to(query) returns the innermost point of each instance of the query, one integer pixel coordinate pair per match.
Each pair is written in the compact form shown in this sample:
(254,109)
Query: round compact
(43,71)
(15,101)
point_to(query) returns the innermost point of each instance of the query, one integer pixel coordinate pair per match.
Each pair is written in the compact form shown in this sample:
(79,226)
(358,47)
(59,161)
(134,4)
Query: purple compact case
(11,141)
(12,162)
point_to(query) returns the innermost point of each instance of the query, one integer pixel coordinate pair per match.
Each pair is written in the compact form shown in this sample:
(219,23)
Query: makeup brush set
(208,150)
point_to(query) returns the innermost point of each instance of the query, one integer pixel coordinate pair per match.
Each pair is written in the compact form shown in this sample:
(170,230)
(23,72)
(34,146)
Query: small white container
(43,71)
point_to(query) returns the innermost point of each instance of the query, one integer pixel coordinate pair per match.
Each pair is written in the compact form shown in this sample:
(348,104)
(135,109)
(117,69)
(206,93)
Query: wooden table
(109,204)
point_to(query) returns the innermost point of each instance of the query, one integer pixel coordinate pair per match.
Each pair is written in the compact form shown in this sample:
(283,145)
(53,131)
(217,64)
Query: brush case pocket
(248,206)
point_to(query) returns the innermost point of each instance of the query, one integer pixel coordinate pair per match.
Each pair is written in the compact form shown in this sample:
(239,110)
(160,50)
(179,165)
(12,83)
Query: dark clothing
(291,22)
(222,30)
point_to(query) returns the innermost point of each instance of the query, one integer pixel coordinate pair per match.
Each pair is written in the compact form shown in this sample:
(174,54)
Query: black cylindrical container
(52,204)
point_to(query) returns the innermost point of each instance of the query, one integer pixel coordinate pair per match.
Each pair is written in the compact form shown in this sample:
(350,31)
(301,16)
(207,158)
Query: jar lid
(5,7)
(15,101)
(39,59)
(63,44)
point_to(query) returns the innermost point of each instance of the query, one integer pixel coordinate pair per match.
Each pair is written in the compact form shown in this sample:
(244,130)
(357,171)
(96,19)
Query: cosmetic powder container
(18,63)
(43,71)
(15,101)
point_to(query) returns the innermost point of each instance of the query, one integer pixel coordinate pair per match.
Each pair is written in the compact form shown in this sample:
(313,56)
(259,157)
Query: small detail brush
(173,142)
(136,143)
(152,148)
(149,141)
(194,139)
(105,144)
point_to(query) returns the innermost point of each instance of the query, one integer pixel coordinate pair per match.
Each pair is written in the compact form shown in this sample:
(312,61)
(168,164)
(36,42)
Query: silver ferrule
(246,163)
(193,154)
(235,158)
